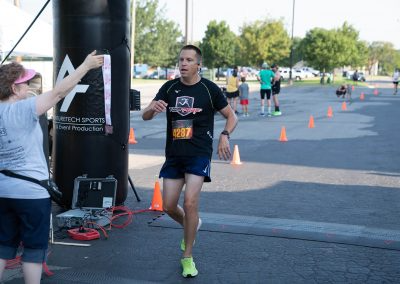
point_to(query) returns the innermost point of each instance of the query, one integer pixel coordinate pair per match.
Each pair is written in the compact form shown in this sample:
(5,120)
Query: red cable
(100,227)
(16,263)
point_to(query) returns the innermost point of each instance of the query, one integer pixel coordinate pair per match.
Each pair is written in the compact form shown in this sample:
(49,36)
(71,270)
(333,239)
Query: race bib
(182,129)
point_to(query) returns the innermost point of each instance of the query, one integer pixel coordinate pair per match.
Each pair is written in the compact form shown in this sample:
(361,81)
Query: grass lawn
(307,82)
(316,81)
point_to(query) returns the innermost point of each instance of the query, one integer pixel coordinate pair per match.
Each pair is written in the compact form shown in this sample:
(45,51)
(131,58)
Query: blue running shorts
(176,167)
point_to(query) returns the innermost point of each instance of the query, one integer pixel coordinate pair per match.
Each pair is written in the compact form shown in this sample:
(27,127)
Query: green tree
(328,49)
(386,55)
(320,48)
(297,53)
(157,40)
(218,45)
(264,41)
(353,52)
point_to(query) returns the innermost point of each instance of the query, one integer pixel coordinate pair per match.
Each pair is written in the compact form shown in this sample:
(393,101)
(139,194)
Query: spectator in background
(244,96)
(264,77)
(341,91)
(396,76)
(232,89)
(276,89)
(355,77)
(349,91)
(243,72)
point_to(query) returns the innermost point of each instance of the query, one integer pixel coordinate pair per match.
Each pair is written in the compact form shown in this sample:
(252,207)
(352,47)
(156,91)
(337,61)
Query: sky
(375,20)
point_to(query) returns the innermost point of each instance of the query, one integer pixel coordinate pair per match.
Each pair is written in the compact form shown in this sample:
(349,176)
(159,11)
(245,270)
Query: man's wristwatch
(225,132)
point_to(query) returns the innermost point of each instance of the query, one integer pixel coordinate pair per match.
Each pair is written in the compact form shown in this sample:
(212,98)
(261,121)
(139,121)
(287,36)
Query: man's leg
(269,102)
(269,107)
(276,102)
(172,189)
(190,205)
(3,263)
(262,96)
(235,104)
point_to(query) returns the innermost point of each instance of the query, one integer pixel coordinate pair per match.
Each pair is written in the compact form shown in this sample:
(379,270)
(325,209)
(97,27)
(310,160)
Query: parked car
(140,70)
(284,73)
(349,75)
(310,72)
(327,74)
(157,74)
(221,73)
(297,74)
(361,77)
(172,74)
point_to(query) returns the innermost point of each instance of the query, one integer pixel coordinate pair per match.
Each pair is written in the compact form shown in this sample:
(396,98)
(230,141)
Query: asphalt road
(344,173)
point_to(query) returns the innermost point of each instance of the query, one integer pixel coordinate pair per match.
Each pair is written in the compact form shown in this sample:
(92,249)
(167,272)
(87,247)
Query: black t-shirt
(190,116)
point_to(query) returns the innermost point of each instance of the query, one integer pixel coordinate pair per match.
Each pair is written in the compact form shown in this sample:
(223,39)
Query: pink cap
(28,74)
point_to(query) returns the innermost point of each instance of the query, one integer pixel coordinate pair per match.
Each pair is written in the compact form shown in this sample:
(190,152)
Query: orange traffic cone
(236,156)
(330,112)
(362,96)
(157,203)
(283,137)
(132,139)
(311,122)
(376,92)
(352,87)
(344,106)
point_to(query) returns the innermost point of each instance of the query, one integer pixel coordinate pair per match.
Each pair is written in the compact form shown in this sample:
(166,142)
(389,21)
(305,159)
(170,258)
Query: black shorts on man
(264,92)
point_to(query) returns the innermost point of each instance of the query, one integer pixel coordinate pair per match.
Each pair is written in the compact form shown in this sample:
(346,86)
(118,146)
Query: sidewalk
(277,218)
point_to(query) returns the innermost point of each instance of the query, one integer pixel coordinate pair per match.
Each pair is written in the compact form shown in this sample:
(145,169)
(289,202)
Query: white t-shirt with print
(21,150)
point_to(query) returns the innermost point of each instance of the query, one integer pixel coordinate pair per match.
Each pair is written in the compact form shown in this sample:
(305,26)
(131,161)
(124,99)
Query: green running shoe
(189,267)
(277,113)
(183,245)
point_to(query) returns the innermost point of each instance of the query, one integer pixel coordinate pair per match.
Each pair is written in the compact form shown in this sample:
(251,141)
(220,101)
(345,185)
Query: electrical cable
(16,263)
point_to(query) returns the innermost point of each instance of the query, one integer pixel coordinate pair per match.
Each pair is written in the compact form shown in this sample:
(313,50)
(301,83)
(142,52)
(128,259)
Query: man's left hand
(224,150)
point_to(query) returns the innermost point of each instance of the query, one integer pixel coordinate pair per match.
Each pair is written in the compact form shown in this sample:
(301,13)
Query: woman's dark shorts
(26,221)
(232,95)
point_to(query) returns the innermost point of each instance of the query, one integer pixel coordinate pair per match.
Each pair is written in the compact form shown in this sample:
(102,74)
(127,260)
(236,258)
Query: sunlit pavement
(343,173)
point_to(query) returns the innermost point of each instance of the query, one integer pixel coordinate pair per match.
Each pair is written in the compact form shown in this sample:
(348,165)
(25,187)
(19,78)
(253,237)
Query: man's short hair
(196,49)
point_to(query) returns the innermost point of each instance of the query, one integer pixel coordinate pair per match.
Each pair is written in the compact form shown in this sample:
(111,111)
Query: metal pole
(187,23)
(191,25)
(291,48)
(133,27)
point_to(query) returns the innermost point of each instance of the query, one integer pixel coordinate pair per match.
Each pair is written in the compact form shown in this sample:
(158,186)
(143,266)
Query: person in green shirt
(264,77)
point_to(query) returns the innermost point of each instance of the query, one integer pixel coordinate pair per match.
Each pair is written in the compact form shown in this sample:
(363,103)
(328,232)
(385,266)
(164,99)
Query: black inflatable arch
(80,144)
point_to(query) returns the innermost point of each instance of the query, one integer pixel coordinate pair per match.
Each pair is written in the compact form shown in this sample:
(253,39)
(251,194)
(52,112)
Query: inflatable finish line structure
(91,124)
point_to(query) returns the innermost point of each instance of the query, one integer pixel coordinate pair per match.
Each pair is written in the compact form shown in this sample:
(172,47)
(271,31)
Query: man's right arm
(154,108)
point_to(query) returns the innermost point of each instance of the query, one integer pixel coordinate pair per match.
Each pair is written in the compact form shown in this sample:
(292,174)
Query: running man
(190,103)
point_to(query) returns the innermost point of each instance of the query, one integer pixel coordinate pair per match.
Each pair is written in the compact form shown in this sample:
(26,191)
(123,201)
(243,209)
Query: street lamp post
(187,23)
(291,48)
